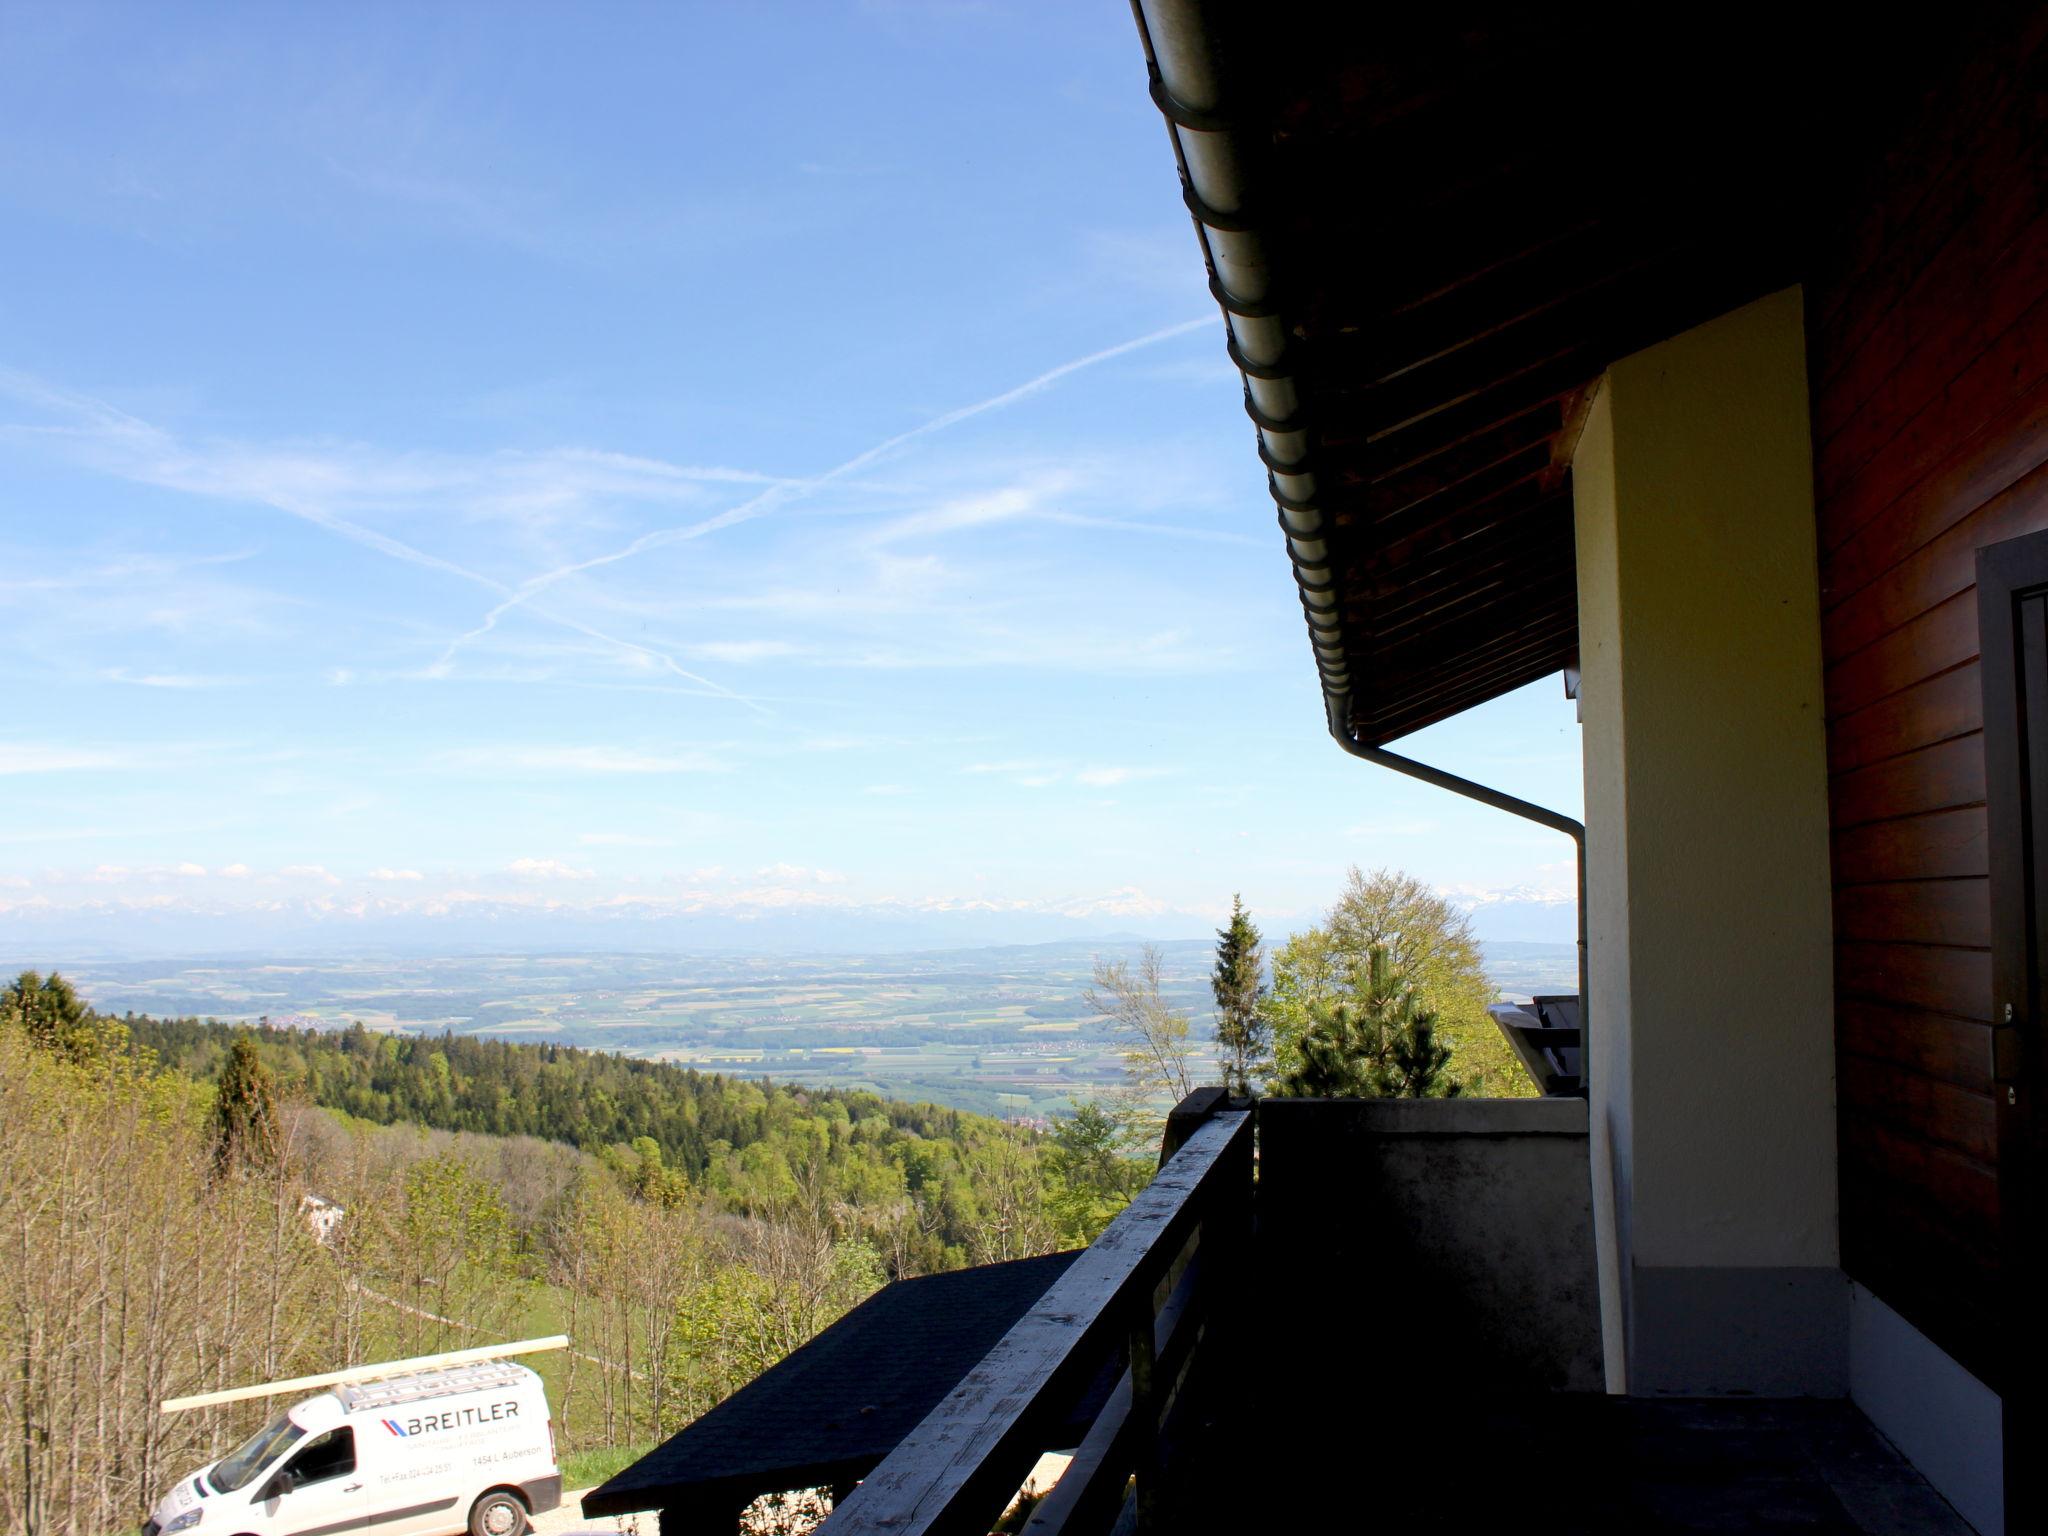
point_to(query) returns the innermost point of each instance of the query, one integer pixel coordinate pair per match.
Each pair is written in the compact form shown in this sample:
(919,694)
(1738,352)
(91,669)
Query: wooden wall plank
(1932,711)
(1954,1050)
(1941,845)
(1951,912)
(1938,557)
(1928,351)
(1922,1107)
(1939,640)
(1956,981)
(1915,197)
(2000,376)
(1881,382)
(1937,778)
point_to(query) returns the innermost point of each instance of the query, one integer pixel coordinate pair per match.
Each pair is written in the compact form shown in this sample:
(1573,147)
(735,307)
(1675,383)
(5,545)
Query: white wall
(1709,916)
(1945,1421)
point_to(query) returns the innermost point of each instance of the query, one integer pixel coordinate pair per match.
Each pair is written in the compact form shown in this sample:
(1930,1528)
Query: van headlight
(184,1522)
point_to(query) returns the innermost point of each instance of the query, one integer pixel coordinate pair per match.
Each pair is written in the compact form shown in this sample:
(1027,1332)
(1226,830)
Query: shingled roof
(831,1411)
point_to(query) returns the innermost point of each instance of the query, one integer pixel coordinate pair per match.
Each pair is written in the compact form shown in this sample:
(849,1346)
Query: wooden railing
(1161,1283)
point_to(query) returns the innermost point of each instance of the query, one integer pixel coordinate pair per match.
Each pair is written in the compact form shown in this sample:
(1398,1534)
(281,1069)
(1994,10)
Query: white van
(429,1453)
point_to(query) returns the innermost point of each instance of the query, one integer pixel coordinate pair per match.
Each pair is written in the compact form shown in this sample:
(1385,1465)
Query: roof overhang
(1430,233)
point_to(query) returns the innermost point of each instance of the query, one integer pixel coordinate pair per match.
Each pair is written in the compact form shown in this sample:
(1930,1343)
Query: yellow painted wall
(1709,918)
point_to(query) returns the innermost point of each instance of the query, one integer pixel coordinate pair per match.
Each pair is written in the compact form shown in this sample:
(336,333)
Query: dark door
(2012,616)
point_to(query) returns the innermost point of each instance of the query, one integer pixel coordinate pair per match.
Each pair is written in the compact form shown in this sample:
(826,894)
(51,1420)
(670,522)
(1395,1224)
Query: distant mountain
(307,929)
(1520,914)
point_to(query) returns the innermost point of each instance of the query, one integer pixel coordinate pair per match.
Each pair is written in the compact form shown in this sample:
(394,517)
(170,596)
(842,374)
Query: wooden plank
(1421,707)
(1963,1189)
(1952,981)
(1915,1105)
(1992,342)
(1956,1051)
(1909,549)
(1532,539)
(953,1471)
(1952,912)
(1943,638)
(1382,452)
(1414,714)
(1941,844)
(1926,334)
(1392,493)
(1483,305)
(1471,503)
(1991,386)
(1936,710)
(1937,778)
(1914,198)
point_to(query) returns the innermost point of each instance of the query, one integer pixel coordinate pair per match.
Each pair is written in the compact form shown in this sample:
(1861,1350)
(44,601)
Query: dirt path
(570,1518)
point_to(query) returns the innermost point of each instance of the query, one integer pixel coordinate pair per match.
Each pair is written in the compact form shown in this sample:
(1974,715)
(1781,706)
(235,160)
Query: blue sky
(664,459)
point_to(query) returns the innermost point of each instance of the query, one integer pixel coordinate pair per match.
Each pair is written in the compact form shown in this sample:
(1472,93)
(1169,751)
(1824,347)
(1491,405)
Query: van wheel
(497,1513)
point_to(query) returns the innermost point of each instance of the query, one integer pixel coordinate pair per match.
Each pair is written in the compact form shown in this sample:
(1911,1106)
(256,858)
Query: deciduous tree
(1152,1034)
(1379,1043)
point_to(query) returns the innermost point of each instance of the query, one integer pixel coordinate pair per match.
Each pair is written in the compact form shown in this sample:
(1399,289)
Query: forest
(744,1141)
(161,1184)
(155,1240)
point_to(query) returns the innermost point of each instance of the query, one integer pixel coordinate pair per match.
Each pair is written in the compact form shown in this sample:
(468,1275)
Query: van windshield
(256,1453)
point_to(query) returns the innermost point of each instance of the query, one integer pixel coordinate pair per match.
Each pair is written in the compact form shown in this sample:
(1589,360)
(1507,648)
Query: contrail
(788,490)
(155,457)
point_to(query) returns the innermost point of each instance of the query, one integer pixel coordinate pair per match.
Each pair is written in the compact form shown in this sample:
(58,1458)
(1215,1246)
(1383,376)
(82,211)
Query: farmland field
(1001,1030)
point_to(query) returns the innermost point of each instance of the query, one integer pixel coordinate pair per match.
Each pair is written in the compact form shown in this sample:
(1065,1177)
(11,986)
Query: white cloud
(192,869)
(739,652)
(236,872)
(34,757)
(797,874)
(546,869)
(396,874)
(318,872)
(1393,826)
(592,759)
(168,679)
(1104,778)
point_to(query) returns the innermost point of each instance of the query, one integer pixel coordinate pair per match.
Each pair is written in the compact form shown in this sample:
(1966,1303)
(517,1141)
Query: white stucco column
(1709,915)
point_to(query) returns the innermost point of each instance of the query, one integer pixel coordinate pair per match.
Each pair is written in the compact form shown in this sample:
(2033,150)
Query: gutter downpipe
(1334,705)
(1600,1151)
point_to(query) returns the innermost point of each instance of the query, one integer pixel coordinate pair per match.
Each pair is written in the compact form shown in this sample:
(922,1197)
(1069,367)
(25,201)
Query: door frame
(2010,574)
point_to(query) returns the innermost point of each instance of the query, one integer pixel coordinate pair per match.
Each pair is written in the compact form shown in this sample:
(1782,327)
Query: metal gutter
(1190,88)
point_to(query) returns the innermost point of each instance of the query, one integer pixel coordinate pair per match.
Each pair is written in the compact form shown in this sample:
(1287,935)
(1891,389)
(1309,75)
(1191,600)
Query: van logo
(453,1418)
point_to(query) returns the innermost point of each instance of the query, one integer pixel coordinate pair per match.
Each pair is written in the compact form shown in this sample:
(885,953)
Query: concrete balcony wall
(1459,1232)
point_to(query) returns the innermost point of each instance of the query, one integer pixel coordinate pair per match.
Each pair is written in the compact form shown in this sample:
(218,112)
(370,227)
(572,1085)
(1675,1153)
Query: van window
(330,1455)
(254,1454)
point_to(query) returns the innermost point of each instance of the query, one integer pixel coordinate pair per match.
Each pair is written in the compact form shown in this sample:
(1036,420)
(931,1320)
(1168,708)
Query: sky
(684,464)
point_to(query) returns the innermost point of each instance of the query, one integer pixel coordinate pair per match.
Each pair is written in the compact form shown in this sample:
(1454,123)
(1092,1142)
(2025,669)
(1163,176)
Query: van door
(318,1491)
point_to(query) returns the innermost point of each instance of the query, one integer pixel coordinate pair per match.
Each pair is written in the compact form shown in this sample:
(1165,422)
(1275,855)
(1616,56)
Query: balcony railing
(1148,1294)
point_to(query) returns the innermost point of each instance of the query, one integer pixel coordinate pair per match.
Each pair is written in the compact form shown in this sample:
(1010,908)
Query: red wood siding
(1928,352)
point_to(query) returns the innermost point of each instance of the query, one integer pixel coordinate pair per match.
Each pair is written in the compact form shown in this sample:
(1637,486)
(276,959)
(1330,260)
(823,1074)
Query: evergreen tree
(246,1129)
(1242,1033)
(46,1009)
(1382,1043)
